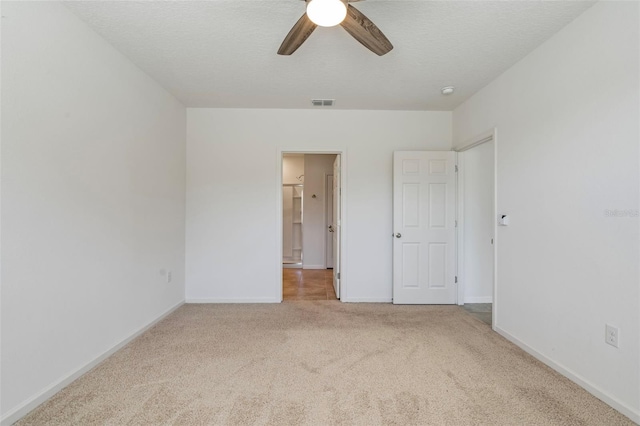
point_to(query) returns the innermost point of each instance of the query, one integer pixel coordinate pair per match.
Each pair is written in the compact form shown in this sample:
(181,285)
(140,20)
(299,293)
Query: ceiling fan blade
(298,34)
(366,32)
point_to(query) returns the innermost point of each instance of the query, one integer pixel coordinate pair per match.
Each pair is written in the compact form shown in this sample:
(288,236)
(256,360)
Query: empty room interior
(422,212)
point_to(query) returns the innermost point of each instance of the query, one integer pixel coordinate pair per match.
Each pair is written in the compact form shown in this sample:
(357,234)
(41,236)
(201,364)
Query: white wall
(292,168)
(314,233)
(93,175)
(567,146)
(477,166)
(232,214)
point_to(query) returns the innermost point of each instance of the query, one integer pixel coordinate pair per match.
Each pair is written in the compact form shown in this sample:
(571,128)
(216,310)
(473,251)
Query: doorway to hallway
(312,222)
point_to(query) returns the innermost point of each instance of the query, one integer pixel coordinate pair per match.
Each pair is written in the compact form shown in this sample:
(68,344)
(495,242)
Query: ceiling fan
(328,13)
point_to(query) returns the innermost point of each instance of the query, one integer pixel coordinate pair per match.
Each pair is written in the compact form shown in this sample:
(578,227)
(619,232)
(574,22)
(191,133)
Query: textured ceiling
(223,53)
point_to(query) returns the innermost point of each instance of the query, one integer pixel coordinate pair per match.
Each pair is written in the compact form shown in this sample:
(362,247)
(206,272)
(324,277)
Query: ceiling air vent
(322,102)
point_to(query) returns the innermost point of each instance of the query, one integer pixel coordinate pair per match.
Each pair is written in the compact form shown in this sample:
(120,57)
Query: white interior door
(424,227)
(329,212)
(336,225)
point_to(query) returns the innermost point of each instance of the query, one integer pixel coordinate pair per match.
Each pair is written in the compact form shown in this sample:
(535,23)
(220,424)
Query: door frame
(343,212)
(488,136)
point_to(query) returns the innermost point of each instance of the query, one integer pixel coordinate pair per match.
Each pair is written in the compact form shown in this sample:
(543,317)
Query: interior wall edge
(593,389)
(30,404)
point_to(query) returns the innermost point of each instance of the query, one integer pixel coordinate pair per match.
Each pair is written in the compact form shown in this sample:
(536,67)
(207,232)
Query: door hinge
(456,279)
(456,223)
(456,168)
(338,275)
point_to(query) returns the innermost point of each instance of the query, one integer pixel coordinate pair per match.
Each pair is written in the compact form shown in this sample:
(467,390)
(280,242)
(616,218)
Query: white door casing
(424,239)
(342,195)
(336,225)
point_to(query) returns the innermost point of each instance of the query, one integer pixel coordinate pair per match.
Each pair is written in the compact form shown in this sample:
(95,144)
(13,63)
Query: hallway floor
(307,284)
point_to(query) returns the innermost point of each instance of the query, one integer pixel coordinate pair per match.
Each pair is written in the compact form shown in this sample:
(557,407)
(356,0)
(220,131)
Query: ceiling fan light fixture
(326,13)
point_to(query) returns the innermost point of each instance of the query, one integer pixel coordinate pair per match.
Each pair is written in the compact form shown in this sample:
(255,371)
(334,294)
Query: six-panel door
(424,227)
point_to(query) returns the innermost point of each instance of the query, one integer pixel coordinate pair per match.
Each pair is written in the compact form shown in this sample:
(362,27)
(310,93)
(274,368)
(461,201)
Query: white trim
(479,299)
(494,307)
(292,266)
(27,406)
(574,377)
(484,137)
(314,267)
(233,300)
(368,300)
(460,228)
(488,136)
(342,152)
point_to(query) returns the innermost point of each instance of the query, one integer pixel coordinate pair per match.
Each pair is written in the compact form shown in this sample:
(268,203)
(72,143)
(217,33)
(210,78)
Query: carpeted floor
(322,363)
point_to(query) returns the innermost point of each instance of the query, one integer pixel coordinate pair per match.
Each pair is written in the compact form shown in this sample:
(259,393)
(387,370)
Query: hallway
(307,284)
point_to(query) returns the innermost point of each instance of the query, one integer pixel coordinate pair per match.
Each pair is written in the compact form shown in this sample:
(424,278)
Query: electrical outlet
(169,277)
(611,335)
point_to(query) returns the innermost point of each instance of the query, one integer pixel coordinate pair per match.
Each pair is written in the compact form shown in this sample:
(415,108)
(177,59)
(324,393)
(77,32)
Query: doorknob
(398,235)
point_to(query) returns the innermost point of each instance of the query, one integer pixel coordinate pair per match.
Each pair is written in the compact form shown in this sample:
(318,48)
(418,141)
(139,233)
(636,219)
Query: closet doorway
(477,216)
(311,226)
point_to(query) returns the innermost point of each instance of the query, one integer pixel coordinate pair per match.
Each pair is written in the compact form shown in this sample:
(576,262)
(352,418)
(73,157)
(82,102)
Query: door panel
(336,225)
(424,227)
(410,265)
(437,265)
(328,233)
(411,205)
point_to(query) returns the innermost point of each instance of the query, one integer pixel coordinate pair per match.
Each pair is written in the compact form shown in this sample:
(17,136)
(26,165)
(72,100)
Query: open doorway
(292,210)
(477,213)
(311,200)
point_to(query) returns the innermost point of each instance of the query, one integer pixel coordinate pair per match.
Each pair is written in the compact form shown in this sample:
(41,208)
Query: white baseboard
(479,299)
(27,406)
(313,267)
(291,266)
(367,300)
(249,300)
(574,377)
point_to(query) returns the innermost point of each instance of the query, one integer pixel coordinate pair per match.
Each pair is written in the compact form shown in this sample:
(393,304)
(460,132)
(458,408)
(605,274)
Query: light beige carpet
(322,363)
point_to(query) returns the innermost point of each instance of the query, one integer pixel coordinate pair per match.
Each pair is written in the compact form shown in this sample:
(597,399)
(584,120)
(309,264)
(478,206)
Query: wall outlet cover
(611,335)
